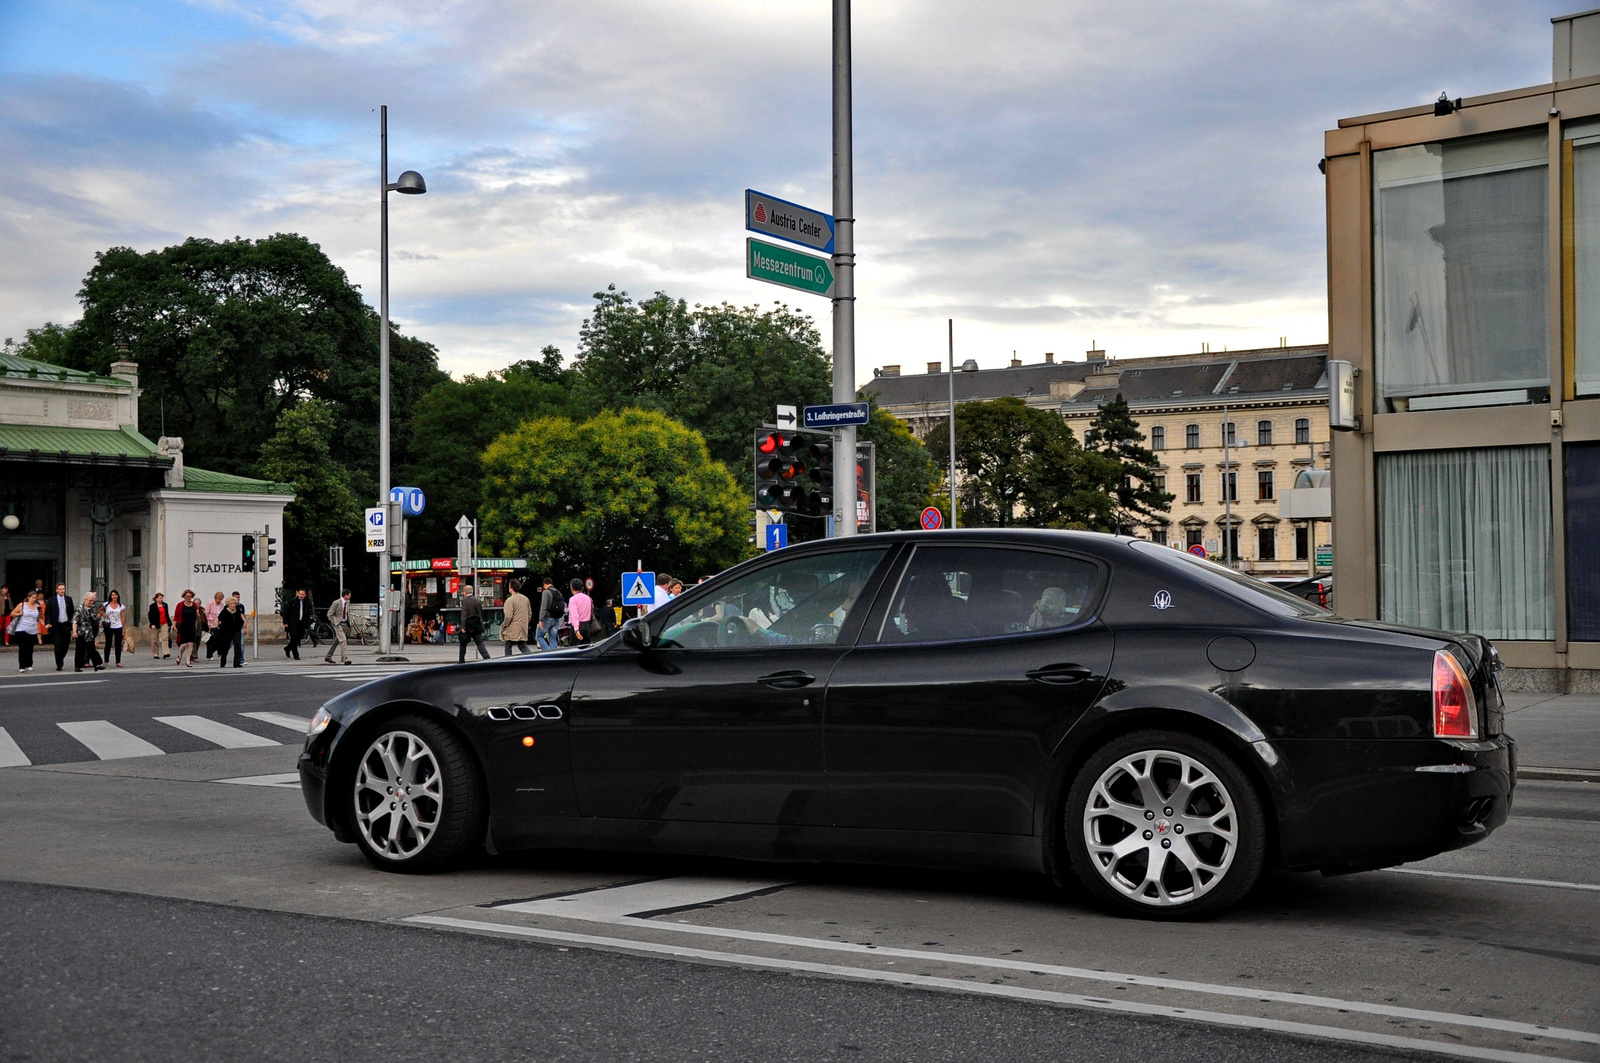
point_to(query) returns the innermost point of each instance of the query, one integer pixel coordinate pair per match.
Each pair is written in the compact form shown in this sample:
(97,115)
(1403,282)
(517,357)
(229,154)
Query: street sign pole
(255,600)
(844,269)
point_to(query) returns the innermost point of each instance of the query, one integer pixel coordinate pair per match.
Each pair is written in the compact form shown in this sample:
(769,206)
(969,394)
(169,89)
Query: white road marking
(1219,1018)
(701,891)
(640,898)
(108,741)
(57,683)
(285,779)
(219,733)
(1552,883)
(281,719)
(11,754)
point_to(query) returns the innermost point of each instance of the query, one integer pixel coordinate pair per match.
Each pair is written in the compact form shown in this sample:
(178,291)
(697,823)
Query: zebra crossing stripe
(281,719)
(219,733)
(108,741)
(11,754)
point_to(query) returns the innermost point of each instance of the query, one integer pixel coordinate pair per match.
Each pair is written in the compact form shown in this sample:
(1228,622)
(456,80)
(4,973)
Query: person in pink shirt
(213,610)
(580,613)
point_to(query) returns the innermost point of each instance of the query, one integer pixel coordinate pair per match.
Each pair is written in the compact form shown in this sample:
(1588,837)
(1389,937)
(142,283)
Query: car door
(944,716)
(719,719)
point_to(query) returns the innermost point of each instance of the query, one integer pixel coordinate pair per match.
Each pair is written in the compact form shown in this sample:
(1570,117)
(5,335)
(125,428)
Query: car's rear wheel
(416,797)
(1164,825)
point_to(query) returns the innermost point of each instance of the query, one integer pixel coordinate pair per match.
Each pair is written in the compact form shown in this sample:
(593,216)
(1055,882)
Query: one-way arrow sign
(787,416)
(463,527)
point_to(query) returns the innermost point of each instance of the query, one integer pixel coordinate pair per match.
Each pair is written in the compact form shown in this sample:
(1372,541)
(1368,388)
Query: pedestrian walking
(160,618)
(230,628)
(298,618)
(311,625)
(59,610)
(518,618)
(25,621)
(86,633)
(552,607)
(471,625)
(188,620)
(6,608)
(213,610)
(580,613)
(339,620)
(112,614)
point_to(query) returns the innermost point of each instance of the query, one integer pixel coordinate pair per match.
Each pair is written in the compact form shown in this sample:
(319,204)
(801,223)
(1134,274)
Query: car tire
(1163,825)
(416,797)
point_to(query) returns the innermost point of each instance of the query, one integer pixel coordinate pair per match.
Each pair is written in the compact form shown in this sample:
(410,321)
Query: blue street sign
(772,216)
(777,536)
(837,415)
(932,519)
(411,500)
(638,588)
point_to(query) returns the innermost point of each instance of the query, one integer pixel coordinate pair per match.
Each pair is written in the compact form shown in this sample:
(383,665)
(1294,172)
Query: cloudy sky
(1049,173)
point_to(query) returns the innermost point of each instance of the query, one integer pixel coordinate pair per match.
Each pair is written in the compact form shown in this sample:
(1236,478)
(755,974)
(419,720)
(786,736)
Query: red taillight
(1455,713)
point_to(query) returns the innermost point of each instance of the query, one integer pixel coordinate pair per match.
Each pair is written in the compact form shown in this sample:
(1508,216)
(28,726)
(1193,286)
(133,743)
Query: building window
(1230,543)
(1191,538)
(1160,483)
(1228,438)
(1191,436)
(1158,438)
(1230,487)
(1302,429)
(1586,262)
(1461,271)
(1583,541)
(1263,433)
(1267,543)
(1263,485)
(1191,487)
(136,542)
(1464,541)
(1302,543)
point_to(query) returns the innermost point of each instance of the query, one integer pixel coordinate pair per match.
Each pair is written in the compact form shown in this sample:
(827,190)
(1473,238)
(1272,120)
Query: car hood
(433,685)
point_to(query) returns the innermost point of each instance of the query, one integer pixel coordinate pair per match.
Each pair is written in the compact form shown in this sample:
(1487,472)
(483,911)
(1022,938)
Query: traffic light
(267,564)
(778,462)
(247,553)
(819,463)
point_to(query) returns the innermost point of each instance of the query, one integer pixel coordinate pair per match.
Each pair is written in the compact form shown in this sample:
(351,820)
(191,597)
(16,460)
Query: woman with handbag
(187,623)
(113,620)
(27,620)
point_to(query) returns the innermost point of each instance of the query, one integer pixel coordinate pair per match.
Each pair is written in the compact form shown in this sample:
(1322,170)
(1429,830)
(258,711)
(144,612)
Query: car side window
(800,602)
(975,592)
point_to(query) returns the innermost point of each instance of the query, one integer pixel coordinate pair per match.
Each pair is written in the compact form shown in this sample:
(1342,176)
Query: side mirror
(636,634)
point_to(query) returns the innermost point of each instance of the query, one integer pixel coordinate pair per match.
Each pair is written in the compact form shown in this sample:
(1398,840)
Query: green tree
(325,510)
(229,335)
(908,477)
(47,343)
(1115,434)
(594,497)
(1018,464)
(718,369)
(454,423)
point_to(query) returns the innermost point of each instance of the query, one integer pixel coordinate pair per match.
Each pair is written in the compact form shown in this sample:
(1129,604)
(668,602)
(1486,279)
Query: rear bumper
(1366,804)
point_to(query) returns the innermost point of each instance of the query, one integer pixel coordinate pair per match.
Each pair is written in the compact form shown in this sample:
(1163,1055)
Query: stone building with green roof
(88,501)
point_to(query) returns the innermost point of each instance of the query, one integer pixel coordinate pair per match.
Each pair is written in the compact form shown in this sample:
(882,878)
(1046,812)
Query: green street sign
(1324,556)
(792,269)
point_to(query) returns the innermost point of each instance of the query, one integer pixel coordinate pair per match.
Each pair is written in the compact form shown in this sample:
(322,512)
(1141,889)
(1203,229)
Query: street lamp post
(409,183)
(968,366)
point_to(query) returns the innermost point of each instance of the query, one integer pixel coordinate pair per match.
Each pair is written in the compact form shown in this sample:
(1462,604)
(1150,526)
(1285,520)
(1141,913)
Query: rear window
(1236,585)
(977,592)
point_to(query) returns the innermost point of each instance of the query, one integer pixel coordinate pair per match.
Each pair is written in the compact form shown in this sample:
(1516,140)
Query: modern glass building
(1464,285)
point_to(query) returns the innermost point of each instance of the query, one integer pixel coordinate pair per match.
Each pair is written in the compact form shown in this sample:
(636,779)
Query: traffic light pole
(255,601)
(844,269)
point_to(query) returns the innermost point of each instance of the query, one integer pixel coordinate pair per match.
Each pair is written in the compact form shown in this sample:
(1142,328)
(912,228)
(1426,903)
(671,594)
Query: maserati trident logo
(1163,601)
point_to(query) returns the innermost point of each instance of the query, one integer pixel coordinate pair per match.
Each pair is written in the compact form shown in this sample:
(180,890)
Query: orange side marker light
(527,740)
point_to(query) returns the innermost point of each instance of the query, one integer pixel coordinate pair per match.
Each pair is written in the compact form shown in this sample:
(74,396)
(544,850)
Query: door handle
(1060,674)
(791,680)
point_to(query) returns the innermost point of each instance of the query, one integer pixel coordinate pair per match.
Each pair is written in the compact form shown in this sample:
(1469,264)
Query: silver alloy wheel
(399,794)
(1160,828)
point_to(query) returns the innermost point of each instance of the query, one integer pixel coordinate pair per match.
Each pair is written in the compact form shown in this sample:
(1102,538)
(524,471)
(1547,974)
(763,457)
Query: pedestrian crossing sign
(638,588)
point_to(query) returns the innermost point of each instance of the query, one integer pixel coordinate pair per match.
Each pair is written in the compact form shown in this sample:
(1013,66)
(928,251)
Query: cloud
(1048,173)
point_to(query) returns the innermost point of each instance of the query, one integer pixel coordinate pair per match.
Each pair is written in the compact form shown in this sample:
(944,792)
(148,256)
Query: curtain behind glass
(1464,541)
(1461,268)
(1586,233)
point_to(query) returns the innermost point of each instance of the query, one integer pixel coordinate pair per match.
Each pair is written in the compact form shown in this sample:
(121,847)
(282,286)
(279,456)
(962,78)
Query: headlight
(319,722)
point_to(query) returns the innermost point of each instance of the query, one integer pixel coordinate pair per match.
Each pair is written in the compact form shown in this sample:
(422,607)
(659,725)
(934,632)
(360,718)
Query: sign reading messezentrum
(791,269)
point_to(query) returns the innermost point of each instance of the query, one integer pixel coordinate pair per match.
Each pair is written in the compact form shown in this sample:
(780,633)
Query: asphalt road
(215,918)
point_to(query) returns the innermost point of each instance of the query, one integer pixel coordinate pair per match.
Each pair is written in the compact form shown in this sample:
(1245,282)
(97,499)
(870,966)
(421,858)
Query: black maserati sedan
(1080,705)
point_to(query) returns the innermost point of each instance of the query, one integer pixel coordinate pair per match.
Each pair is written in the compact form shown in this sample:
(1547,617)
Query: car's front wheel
(416,797)
(1164,825)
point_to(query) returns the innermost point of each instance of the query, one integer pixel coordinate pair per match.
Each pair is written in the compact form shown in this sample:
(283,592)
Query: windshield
(1234,584)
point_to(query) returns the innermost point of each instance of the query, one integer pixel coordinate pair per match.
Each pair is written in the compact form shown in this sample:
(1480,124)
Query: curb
(1558,774)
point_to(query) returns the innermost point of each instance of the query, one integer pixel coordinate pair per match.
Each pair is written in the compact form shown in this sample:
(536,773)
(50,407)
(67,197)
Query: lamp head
(411,183)
(11,522)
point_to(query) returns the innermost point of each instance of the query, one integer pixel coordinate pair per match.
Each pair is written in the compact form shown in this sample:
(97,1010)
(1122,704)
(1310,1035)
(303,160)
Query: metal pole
(383,372)
(1227,495)
(952,326)
(844,269)
(255,600)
